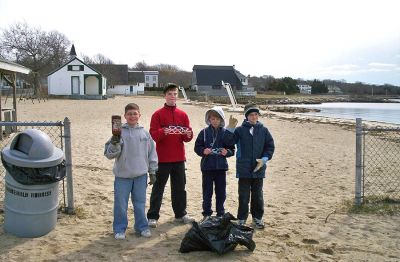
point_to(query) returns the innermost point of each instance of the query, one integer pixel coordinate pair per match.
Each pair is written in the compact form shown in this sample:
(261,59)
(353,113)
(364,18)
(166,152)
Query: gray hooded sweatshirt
(135,155)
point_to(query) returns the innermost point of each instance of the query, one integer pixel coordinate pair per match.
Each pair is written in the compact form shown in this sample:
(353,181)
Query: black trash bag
(217,234)
(36,176)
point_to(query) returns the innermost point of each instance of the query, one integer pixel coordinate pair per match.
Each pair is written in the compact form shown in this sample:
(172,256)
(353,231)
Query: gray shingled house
(116,74)
(207,79)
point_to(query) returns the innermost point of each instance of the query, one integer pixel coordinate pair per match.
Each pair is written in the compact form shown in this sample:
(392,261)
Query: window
(147,84)
(147,78)
(75,67)
(154,78)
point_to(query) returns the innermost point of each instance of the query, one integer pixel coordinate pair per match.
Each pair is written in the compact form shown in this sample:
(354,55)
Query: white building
(148,78)
(77,79)
(304,89)
(127,90)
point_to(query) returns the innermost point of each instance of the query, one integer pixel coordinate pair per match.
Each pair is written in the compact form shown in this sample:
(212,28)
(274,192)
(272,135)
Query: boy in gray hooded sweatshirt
(135,156)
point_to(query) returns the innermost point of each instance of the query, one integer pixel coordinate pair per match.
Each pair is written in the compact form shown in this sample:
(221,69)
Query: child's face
(252,118)
(170,97)
(132,117)
(215,121)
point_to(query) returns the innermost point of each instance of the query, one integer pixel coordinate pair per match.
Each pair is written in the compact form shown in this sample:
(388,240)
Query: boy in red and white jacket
(170,128)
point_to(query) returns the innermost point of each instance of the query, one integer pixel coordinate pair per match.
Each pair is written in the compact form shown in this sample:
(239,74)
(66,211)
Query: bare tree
(102,59)
(36,49)
(97,59)
(87,59)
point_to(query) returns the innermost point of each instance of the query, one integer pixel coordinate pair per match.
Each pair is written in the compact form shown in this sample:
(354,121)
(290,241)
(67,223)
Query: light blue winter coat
(135,155)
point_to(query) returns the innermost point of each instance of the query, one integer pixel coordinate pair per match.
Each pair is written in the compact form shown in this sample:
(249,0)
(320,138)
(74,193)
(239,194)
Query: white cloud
(374,64)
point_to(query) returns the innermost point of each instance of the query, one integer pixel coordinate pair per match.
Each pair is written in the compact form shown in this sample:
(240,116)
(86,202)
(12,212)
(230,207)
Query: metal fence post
(358,183)
(68,163)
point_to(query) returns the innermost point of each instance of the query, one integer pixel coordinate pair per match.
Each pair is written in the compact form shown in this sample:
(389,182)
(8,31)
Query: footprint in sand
(310,241)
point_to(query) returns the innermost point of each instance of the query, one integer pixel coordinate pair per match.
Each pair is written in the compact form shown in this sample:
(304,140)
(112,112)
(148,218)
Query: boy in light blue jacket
(135,156)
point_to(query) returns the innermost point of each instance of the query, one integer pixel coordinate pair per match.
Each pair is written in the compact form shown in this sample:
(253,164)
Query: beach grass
(374,205)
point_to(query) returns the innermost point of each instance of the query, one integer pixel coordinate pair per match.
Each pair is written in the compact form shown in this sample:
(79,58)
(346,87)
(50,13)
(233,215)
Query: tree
(291,85)
(318,87)
(36,49)
(97,59)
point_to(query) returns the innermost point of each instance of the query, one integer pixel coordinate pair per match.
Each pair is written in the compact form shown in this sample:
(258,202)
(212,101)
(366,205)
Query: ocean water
(379,112)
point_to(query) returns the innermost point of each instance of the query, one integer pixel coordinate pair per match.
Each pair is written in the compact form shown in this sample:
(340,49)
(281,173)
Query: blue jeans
(136,187)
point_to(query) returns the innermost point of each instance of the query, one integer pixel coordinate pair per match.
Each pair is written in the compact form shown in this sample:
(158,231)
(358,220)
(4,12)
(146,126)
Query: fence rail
(60,134)
(377,163)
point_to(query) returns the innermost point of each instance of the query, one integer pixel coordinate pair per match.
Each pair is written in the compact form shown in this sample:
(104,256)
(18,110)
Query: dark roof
(116,74)
(135,77)
(213,75)
(195,67)
(72,52)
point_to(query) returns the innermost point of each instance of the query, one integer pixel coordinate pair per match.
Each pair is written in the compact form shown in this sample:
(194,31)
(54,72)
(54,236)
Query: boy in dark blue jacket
(255,146)
(209,145)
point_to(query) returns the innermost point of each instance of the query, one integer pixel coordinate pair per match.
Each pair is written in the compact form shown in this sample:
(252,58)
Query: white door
(75,85)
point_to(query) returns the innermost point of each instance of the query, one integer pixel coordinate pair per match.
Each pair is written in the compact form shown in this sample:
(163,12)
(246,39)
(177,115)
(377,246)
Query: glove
(260,163)
(232,122)
(115,139)
(153,179)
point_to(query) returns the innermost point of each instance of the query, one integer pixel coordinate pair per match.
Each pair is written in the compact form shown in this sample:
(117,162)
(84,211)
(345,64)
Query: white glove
(260,163)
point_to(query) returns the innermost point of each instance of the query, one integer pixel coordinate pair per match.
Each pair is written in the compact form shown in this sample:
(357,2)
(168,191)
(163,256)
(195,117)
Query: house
(119,80)
(208,79)
(122,81)
(334,90)
(77,79)
(148,78)
(304,89)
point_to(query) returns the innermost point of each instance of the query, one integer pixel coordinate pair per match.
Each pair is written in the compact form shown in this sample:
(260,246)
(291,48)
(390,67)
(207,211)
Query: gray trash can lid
(32,148)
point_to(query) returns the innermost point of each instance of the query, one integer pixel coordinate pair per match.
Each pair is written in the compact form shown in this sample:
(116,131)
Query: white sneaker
(152,223)
(145,233)
(186,219)
(242,222)
(119,236)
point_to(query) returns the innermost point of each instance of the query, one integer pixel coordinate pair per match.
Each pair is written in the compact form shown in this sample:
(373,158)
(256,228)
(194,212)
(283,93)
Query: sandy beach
(309,178)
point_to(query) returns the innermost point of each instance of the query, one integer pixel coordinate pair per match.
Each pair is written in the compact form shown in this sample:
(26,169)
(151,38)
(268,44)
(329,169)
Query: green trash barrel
(34,166)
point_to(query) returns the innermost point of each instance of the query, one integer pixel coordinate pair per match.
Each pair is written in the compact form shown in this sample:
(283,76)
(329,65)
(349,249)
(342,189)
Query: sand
(309,178)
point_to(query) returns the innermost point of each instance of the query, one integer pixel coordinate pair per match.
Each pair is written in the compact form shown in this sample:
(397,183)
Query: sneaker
(259,223)
(145,233)
(205,218)
(152,223)
(186,219)
(119,236)
(242,222)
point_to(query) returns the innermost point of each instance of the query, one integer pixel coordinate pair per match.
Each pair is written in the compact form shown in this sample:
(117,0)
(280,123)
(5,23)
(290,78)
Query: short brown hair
(169,86)
(131,106)
(214,114)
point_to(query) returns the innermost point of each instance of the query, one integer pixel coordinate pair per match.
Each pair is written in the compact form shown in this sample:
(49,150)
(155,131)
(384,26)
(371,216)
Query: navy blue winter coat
(250,147)
(213,138)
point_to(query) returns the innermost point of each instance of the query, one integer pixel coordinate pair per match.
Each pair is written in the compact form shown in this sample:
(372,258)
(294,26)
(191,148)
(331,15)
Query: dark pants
(178,193)
(250,187)
(209,179)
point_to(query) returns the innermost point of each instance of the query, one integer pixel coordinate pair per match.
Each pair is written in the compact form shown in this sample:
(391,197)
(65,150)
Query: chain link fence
(378,164)
(56,131)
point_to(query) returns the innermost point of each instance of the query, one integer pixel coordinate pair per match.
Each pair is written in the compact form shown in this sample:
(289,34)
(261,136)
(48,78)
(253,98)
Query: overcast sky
(331,39)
